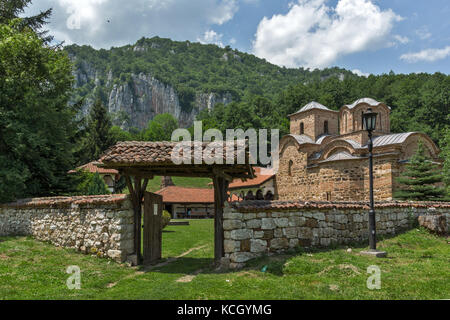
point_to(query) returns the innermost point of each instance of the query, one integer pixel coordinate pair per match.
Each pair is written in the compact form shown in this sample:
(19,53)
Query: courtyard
(417,268)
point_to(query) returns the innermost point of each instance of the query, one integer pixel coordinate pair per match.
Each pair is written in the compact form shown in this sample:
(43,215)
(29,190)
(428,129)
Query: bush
(91,184)
(165,219)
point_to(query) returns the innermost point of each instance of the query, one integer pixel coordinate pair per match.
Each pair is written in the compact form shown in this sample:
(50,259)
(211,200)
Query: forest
(43,135)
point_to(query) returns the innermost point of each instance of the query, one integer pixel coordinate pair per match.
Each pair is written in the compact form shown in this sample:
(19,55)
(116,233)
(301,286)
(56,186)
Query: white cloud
(428,55)
(360,73)
(401,39)
(423,33)
(106,23)
(314,35)
(212,37)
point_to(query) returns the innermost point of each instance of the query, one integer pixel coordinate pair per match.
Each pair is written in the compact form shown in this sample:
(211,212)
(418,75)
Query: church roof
(371,102)
(389,139)
(313,105)
(340,156)
(302,138)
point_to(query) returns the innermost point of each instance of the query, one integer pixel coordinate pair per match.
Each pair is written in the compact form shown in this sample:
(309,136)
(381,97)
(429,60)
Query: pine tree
(90,184)
(98,138)
(11,9)
(97,186)
(446,156)
(420,178)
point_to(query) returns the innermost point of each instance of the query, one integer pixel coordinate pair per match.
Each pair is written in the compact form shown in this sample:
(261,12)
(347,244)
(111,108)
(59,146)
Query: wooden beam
(220,193)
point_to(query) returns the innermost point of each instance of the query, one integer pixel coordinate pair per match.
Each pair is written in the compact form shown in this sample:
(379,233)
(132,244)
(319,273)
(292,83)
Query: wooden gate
(152,244)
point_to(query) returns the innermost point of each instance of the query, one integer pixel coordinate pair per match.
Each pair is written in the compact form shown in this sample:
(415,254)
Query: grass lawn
(155,183)
(418,267)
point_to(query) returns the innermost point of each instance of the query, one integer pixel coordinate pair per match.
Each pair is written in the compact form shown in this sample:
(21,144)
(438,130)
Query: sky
(365,36)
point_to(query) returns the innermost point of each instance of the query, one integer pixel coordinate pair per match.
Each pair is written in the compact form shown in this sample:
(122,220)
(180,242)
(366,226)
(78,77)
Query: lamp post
(369,120)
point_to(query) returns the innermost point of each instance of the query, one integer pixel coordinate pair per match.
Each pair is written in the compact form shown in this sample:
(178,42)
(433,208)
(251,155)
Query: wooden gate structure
(141,161)
(152,244)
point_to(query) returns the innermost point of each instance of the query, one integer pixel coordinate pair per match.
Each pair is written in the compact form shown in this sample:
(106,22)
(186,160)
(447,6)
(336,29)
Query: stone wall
(101,225)
(252,229)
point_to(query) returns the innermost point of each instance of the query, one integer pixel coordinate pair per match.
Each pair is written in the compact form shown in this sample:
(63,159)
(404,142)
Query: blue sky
(367,36)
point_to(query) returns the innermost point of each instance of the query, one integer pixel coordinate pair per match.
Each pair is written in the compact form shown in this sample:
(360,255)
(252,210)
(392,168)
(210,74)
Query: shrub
(165,219)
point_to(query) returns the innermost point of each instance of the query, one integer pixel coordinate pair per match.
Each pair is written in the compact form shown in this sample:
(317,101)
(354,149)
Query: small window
(328,196)
(302,128)
(325,127)
(291,163)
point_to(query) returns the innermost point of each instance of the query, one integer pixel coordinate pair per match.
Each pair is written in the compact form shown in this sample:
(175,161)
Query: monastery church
(325,156)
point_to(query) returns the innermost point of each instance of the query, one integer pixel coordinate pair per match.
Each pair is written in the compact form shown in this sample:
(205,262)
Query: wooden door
(152,244)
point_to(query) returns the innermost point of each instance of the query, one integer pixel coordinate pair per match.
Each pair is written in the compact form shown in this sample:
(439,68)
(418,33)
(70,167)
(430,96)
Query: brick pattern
(251,230)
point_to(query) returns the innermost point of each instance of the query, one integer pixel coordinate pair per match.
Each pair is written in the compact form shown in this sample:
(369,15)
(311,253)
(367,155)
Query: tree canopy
(36,123)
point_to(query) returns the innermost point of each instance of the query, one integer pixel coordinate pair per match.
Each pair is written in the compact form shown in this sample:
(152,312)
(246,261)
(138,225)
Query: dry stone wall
(252,229)
(101,225)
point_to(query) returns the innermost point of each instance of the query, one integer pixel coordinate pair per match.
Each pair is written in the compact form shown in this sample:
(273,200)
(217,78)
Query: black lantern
(369,120)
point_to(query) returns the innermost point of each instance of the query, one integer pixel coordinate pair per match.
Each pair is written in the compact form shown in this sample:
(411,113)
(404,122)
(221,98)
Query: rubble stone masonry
(252,229)
(100,225)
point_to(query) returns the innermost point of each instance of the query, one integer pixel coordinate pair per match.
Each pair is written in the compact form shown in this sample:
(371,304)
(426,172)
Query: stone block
(241,234)
(230,246)
(311,223)
(245,245)
(254,224)
(290,232)
(267,224)
(232,215)
(257,245)
(232,224)
(281,222)
(240,257)
(280,243)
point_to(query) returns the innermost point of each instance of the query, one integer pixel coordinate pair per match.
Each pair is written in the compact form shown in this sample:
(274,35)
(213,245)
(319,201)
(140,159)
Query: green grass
(418,267)
(155,183)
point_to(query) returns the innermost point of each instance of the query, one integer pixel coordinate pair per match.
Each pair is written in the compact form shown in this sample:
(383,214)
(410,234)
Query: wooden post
(137,193)
(220,193)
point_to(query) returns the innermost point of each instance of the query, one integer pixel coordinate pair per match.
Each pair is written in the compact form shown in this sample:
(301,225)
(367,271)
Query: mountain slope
(158,75)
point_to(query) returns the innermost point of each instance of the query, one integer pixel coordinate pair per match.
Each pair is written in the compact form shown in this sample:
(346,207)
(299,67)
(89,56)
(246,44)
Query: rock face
(135,102)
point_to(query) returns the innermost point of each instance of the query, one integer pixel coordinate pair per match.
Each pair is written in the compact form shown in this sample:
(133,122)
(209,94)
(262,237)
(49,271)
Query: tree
(420,178)
(98,130)
(445,154)
(161,128)
(91,184)
(11,9)
(36,122)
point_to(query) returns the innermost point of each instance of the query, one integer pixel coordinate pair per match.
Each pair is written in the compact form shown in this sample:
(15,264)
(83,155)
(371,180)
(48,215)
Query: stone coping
(63,202)
(259,205)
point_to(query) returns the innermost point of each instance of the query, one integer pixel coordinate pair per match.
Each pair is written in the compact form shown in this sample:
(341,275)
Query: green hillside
(194,67)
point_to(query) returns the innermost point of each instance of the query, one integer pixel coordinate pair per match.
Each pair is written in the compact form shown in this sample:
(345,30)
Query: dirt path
(159,265)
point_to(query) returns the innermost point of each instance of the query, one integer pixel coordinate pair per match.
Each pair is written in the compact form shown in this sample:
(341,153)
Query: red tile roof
(256,182)
(174,194)
(64,202)
(92,168)
(156,153)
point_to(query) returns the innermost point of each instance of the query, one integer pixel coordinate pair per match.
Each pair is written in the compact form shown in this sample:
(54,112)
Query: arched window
(302,128)
(345,122)
(325,127)
(291,163)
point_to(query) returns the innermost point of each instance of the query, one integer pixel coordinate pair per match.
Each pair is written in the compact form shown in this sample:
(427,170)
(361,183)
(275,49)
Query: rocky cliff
(135,102)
